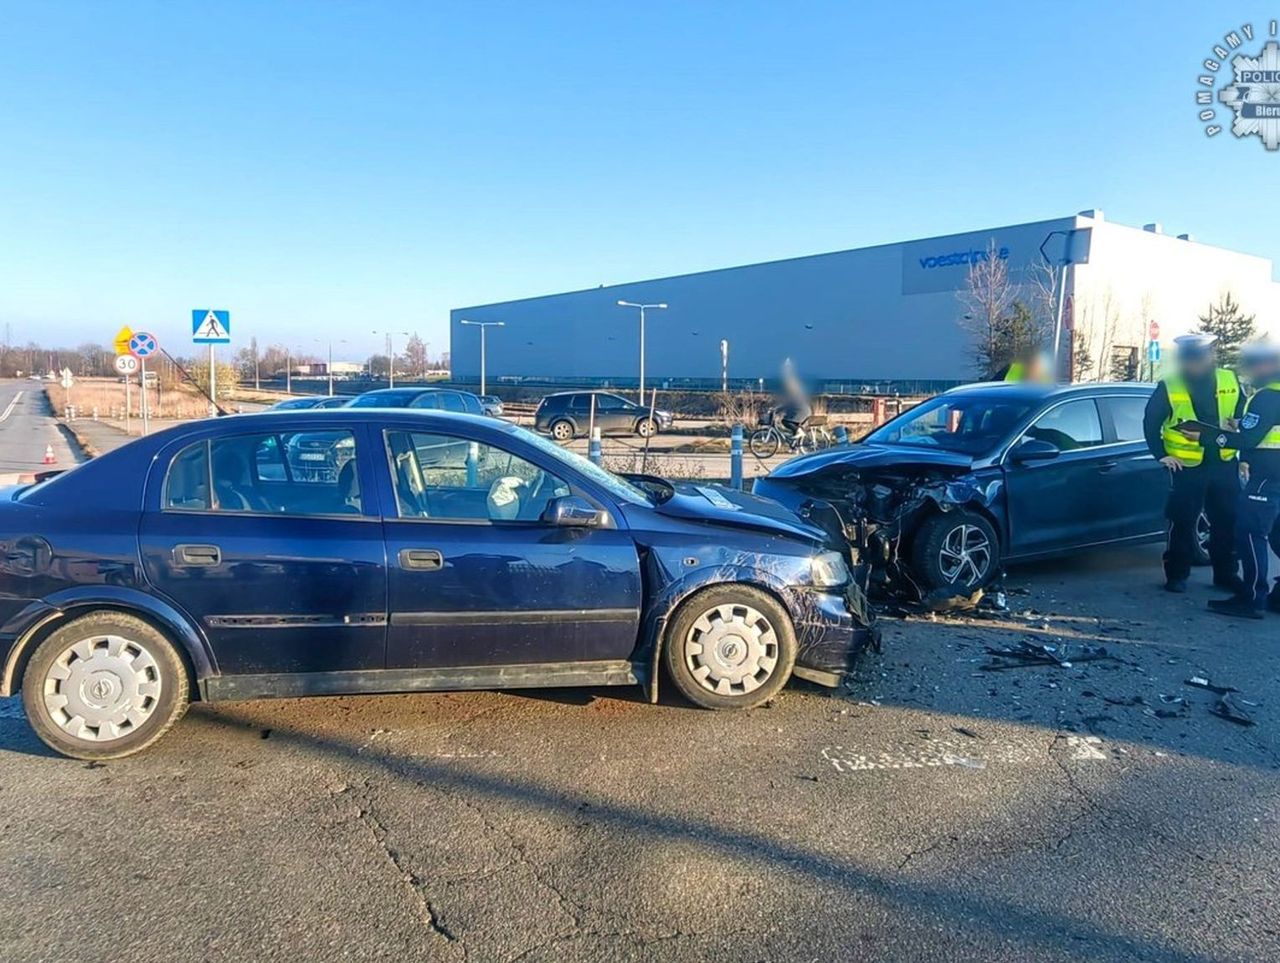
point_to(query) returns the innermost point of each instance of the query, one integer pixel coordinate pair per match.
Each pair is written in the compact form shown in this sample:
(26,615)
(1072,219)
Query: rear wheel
(730,647)
(764,443)
(562,431)
(956,550)
(103,686)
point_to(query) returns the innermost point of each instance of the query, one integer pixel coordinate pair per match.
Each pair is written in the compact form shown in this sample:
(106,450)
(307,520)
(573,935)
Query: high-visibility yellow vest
(1272,438)
(1017,372)
(1184,449)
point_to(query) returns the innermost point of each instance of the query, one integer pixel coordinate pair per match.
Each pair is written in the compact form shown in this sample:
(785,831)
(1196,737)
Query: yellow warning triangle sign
(122,340)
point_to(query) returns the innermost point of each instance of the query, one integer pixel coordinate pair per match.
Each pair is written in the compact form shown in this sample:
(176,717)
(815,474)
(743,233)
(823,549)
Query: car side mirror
(574,511)
(1034,449)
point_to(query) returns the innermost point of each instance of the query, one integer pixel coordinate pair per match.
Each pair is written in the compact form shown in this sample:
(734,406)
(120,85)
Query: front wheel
(764,442)
(646,428)
(103,686)
(730,647)
(956,550)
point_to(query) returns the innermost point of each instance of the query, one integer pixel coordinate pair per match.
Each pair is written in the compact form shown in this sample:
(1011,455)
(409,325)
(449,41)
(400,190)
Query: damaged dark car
(939,499)
(448,552)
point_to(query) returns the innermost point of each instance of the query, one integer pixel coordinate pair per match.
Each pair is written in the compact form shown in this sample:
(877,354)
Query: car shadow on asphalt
(964,907)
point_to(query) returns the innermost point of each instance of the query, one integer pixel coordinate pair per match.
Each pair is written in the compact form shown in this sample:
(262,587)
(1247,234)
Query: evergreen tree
(1232,326)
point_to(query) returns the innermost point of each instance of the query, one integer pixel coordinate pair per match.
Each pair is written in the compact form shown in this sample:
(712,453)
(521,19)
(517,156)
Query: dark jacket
(1264,414)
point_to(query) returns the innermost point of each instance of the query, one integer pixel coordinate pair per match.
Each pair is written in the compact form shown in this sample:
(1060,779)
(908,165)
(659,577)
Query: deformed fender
(780,576)
(64,605)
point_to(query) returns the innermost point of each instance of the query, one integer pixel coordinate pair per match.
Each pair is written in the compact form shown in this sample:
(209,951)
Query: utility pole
(482,325)
(643,308)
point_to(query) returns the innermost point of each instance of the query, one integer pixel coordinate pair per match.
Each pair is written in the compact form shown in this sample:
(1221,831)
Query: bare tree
(987,299)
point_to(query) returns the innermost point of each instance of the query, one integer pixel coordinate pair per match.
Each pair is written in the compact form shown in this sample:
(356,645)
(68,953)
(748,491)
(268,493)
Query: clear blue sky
(321,168)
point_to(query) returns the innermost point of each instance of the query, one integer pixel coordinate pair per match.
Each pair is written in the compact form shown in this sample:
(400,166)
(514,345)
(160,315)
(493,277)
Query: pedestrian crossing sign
(210,327)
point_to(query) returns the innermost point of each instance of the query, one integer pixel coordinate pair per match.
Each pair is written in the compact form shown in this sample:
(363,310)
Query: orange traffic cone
(49,457)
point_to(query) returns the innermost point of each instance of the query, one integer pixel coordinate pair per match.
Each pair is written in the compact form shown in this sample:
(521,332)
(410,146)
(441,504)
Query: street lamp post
(288,372)
(329,364)
(391,358)
(482,325)
(643,308)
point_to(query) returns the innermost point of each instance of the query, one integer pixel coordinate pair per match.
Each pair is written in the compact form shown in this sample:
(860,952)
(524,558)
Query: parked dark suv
(567,415)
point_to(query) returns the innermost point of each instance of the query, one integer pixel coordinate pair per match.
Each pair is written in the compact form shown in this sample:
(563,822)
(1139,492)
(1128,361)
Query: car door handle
(421,559)
(197,554)
(1106,466)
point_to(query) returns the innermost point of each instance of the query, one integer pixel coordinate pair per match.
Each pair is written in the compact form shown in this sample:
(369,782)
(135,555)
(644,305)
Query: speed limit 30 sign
(127,364)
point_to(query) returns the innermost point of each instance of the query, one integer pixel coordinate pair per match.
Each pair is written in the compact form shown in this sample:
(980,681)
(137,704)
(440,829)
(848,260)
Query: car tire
(646,428)
(562,431)
(955,550)
(104,686)
(1200,552)
(730,647)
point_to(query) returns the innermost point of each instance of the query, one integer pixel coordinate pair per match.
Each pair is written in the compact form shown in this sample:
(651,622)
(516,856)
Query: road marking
(966,754)
(9,410)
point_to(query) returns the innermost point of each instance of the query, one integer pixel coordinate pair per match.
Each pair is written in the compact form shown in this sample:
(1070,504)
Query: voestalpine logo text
(1246,83)
(960,257)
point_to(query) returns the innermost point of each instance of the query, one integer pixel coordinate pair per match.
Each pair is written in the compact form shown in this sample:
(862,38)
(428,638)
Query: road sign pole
(127,400)
(145,414)
(213,384)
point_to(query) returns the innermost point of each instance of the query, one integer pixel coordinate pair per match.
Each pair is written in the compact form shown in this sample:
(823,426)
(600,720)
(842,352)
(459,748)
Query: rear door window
(284,473)
(1127,414)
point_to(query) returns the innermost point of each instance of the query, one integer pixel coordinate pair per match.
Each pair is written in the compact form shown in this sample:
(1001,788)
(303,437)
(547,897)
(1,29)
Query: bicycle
(812,436)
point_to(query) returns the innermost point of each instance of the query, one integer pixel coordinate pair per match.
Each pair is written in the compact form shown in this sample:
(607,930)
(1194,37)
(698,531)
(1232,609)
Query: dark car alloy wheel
(956,549)
(965,555)
(646,428)
(562,431)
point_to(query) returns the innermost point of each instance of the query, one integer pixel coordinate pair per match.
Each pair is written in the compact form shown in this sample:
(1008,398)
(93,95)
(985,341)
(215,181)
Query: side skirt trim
(285,685)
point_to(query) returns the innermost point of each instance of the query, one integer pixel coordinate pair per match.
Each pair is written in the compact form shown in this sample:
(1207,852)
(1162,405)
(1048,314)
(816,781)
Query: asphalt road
(27,428)
(930,810)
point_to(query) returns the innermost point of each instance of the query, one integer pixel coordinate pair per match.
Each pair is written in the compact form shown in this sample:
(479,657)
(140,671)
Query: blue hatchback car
(449,552)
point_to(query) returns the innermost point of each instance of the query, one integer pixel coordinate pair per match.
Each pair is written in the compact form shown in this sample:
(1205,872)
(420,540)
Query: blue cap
(1195,345)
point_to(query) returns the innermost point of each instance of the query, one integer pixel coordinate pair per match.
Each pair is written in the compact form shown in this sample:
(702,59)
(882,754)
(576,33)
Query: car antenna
(187,375)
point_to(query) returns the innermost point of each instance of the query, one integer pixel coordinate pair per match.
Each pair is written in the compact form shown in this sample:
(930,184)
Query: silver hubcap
(646,429)
(965,555)
(562,431)
(731,650)
(102,688)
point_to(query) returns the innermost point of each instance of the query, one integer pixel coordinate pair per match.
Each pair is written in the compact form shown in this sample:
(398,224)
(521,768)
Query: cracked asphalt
(930,810)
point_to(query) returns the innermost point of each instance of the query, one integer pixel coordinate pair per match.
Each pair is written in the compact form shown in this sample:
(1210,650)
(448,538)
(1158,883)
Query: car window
(610,403)
(429,400)
(1127,413)
(451,401)
(448,478)
(1070,426)
(187,485)
(287,473)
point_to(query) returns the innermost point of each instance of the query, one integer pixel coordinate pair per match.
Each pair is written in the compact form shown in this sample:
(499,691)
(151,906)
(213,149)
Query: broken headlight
(829,570)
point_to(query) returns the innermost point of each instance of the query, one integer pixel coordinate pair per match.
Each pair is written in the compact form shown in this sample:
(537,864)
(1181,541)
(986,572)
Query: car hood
(872,456)
(724,506)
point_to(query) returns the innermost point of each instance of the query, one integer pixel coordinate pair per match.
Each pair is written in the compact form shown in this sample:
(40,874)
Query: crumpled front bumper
(833,629)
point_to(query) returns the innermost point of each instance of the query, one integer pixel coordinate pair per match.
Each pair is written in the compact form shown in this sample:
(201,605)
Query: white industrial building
(891,313)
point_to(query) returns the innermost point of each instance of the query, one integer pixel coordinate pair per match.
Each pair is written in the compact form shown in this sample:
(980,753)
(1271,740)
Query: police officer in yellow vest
(1201,480)
(1258,442)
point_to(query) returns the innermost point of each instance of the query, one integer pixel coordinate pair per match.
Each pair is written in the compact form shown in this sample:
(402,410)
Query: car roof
(1027,391)
(581,391)
(411,390)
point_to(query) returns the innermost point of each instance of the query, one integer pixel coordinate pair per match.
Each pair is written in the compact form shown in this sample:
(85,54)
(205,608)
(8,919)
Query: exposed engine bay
(879,513)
